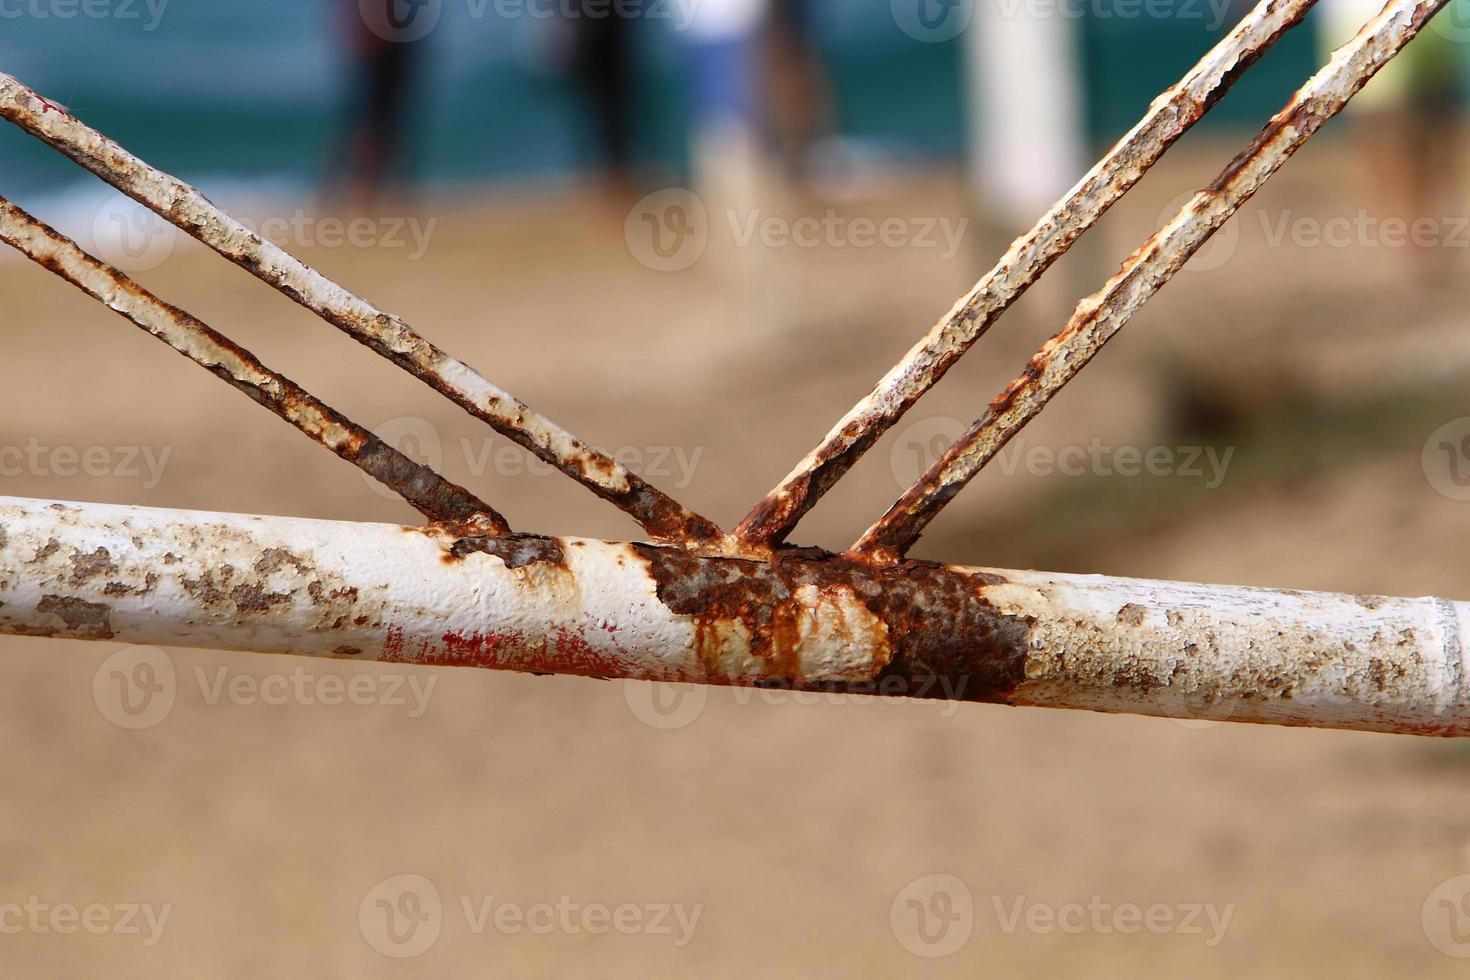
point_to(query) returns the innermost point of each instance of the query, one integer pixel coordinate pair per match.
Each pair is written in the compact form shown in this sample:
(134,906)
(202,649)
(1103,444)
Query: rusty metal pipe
(1101,316)
(1169,117)
(432,495)
(182,205)
(807,620)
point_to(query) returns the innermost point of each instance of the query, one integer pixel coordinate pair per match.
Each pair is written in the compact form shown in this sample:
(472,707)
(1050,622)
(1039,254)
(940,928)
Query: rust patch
(51,547)
(254,598)
(84,620)
(274,559)
(946,640)
(86,567)
(518,551)
(1132,615)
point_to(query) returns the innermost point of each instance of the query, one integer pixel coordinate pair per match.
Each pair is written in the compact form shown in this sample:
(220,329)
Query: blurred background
(695,232)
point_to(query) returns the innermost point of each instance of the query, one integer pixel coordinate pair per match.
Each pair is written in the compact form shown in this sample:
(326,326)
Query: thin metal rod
(1099,318)
(182,205)
(434,497)
(1168,118)
(811,622)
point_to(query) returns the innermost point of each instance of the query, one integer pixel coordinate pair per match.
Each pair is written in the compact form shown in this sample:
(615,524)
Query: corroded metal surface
(1099,317)
(446,596)
(192,212)
(433,496)
(1168,118)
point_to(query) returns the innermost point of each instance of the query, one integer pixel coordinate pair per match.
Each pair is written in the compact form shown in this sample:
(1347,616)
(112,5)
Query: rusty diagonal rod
(1099,317)
(182,205)
(434,497)
(1169,117)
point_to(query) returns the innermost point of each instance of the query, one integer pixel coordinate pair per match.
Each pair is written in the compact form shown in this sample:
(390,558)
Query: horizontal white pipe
(572,606)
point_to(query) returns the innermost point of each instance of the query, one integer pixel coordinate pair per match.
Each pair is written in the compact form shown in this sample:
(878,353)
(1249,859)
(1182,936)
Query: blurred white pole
(1024,74)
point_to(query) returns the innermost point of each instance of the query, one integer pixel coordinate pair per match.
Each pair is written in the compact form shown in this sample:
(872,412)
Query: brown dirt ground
(794,825)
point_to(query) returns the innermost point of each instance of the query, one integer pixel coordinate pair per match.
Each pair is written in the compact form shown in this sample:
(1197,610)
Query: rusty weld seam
(435,497)
(1168,118)
(185,207)
(1101,316)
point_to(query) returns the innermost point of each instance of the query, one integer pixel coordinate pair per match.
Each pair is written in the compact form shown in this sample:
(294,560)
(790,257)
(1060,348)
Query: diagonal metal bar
(814,621)
(1100,317)
(661,516)
(1168,118)
(434,497)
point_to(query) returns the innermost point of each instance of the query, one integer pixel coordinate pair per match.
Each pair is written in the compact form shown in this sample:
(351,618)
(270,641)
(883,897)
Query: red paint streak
(51,107)
(393,645)
(566,652)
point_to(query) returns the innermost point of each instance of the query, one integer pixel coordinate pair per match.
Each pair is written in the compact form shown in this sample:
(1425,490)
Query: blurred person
(722,63)
(604,64)
(801,110)
(370,156)
(1405,119)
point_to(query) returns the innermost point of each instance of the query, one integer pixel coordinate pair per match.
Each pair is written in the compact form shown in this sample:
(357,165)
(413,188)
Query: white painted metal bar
(823,622)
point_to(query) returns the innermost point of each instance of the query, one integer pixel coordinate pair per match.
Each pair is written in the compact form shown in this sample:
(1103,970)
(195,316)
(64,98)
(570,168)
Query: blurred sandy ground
(794,826)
